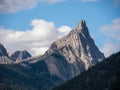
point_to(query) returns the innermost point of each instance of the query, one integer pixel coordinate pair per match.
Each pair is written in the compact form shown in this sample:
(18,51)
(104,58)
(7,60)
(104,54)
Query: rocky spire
(74,52)
(81,25)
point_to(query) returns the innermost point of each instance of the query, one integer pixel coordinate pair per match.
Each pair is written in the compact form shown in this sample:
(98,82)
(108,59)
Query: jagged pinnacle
(81,25)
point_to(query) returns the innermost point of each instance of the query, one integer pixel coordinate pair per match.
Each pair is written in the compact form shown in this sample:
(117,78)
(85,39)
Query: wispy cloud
(36,41)
(51,1)
(89,0)
(109,48)
(112,30)
(13,6)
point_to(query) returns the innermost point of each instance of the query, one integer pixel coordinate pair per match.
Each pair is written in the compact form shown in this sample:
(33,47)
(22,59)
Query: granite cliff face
(72,54)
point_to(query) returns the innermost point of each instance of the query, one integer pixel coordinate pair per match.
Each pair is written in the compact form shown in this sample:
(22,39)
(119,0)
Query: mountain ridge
(66,58)
(17,56)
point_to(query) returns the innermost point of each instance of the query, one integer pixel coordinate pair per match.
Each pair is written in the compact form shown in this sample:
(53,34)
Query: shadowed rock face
(4,59)
(19,55)
(3,51)
(70,55)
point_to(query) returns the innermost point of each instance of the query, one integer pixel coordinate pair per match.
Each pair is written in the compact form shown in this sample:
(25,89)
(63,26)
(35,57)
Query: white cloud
(36,41)
(110,48)
(51,1)
(112,30)
(64,30)
(13,6)
(89,0)
(38,51)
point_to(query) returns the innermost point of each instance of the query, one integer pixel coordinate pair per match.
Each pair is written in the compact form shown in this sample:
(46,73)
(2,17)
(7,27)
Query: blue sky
(20,18)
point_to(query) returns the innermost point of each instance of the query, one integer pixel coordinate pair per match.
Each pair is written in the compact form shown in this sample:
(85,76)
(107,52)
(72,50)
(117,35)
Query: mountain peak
(74,52)
(20,55)
(81,25)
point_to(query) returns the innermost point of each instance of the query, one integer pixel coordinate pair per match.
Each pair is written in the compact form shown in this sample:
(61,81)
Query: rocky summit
(20,55)
(72,54)
(17,56)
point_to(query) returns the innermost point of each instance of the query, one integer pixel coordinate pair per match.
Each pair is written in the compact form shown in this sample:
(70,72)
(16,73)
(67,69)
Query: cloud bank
(13,6)
(112,30)
(36,41)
